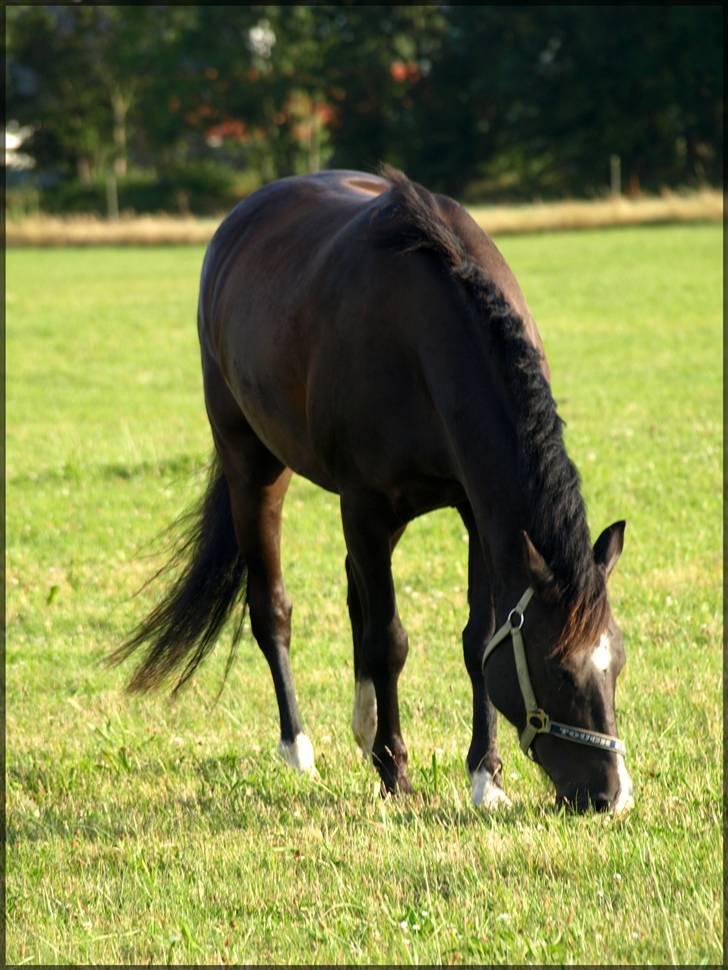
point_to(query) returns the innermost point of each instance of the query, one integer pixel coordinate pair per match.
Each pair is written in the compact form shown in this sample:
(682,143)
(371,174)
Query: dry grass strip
(129,230)
(705,205)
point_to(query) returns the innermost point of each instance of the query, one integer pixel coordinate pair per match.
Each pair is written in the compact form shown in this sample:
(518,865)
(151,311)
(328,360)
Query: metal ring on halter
(519,614)
(539,720)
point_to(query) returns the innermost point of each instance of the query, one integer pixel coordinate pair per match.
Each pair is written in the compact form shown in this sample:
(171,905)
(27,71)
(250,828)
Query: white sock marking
(364,716)
(486,794)
(602,653)
(625,796)
(298,753)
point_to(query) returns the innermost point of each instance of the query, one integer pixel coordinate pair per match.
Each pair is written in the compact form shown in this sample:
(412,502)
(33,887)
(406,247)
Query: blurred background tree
(187,108)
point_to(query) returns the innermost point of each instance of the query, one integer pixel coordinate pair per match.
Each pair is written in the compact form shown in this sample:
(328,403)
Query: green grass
(141,830)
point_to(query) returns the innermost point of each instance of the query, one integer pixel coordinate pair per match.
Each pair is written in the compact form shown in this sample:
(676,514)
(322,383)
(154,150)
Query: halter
(537,720)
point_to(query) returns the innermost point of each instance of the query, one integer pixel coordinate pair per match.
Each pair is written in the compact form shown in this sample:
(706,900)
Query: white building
(15,135)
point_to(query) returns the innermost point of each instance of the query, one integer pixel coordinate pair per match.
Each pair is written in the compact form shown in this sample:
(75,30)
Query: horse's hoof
(393,780)
(486,793)
(400,787)
(392,767)
(298,754)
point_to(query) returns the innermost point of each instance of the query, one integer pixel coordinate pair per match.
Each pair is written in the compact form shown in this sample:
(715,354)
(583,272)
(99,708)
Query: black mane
(557,521)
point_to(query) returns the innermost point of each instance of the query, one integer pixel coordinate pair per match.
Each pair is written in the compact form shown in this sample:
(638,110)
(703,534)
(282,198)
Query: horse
(366,334)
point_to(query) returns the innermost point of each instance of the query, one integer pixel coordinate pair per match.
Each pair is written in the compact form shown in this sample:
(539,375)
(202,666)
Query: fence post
(615,174)
(112,195)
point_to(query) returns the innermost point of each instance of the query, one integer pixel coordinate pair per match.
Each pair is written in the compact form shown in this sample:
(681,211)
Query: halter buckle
(538,720)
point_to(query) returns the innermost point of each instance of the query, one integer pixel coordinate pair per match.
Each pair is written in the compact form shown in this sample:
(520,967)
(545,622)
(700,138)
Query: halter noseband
(537,720)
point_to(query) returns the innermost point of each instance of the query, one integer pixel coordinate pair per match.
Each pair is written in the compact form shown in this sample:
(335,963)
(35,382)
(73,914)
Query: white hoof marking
(298,753)
(486,794)
(364,717)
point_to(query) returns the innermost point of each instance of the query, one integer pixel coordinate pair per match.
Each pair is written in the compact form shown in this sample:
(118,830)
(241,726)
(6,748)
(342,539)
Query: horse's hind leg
(483,761)
(380,642)
(257,482)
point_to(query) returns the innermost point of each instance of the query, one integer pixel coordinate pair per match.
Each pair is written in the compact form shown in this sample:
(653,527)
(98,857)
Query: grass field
(140,830)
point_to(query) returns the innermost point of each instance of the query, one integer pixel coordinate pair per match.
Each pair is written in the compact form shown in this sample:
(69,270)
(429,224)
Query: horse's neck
(472,402)
(501,538)
(500,508)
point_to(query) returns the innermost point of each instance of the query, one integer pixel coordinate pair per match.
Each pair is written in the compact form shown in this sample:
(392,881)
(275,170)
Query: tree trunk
(120,103)
(85,170)
(112,196)
(314,147)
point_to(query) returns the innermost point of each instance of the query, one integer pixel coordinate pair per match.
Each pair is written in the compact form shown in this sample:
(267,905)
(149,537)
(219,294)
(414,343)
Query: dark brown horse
(366,334)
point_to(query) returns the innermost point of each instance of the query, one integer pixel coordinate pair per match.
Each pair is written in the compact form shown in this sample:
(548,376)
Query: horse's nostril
(602,804)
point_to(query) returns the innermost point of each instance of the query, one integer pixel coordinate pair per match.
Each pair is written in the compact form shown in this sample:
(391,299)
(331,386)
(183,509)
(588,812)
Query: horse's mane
(556,514)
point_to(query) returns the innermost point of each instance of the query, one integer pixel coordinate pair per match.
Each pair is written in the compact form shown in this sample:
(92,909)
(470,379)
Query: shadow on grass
(213,795)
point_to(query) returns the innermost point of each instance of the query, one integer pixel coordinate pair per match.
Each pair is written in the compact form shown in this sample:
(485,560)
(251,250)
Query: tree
(377,60)
(491,101)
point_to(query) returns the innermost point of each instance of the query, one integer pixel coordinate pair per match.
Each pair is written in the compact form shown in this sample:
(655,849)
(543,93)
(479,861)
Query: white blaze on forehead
(602,653)
(364,716)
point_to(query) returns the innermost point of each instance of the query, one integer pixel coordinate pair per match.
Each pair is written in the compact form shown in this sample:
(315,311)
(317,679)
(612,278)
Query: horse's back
(318,330)
(262,262)
(312,227)
(273,281)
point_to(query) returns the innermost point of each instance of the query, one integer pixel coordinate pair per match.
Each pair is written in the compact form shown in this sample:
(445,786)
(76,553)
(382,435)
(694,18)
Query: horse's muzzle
(581,801)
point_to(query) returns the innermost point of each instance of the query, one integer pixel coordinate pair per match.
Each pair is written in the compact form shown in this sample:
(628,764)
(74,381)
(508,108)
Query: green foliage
(546,95)
(144,831)
(202,186)
(503,102)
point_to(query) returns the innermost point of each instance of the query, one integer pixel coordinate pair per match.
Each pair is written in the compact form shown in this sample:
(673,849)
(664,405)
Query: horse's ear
(542,579)
(608,547)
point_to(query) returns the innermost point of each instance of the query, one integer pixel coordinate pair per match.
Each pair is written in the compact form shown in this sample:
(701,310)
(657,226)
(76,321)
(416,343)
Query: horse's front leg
(380,641)
(483,760)
(364,715)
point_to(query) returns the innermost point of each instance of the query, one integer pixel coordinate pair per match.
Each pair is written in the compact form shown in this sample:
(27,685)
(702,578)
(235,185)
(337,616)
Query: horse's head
(562,700)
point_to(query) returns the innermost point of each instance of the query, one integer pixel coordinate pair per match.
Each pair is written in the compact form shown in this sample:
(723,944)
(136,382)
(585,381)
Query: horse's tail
(181,630)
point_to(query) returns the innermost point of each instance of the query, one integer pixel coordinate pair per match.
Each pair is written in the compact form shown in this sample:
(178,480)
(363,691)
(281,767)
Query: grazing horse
(368,335)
